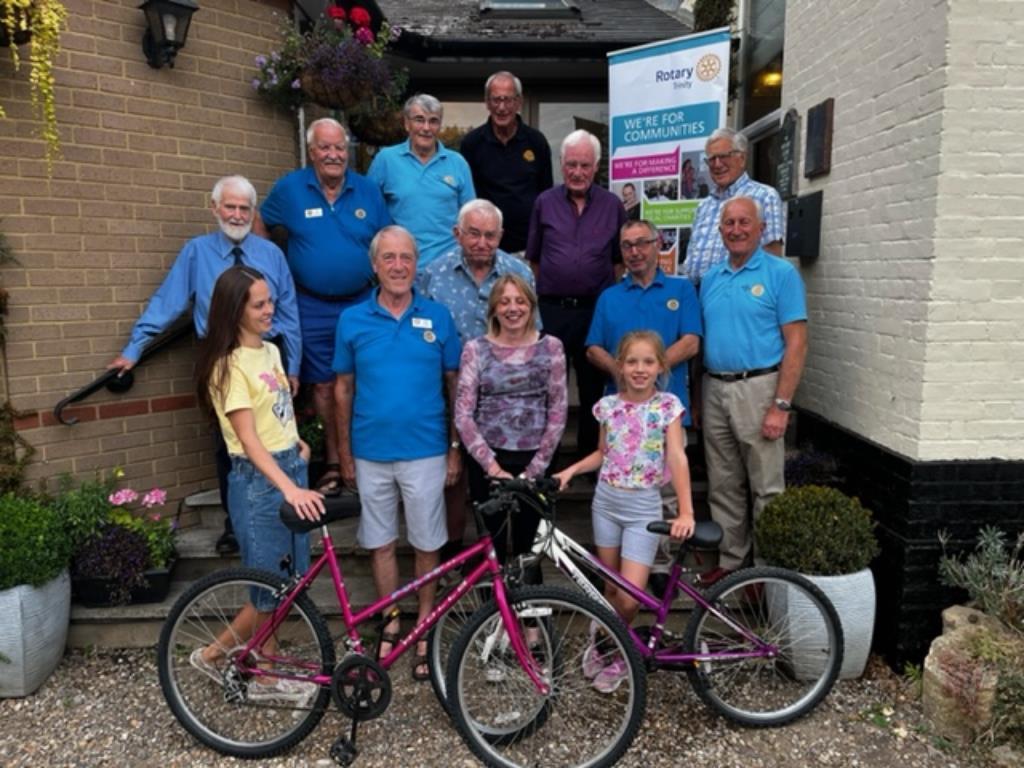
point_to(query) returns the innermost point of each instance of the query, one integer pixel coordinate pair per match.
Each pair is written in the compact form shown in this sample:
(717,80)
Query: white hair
(392,229)
(479,205)
(578,137)
(429,104)
(737,140)
(233,182)
(503,75)
(311,130)
(741,198)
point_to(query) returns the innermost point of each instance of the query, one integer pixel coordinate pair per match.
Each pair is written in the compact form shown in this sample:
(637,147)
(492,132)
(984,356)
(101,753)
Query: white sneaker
(206,667)
(611,677)
(283,691)
(593,661)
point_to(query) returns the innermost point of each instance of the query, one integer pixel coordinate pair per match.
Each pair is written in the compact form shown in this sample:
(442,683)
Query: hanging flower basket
(378,128)
(21,21)
(345,95)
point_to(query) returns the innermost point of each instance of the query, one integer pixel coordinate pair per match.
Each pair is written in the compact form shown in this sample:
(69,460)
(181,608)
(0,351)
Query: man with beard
(191,281)
(324,217)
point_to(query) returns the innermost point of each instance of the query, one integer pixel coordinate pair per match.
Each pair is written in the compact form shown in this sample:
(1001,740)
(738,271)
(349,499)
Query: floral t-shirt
(635,439)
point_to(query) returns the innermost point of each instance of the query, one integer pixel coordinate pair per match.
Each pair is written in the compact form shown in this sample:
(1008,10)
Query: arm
(775,224)
(451,384)
(795,335)
(679,469)
(308,504)
(599,358)
(467,392)
(774,247)
(680,351)
(286,318)
(344,390)
(557,413)
(589,463)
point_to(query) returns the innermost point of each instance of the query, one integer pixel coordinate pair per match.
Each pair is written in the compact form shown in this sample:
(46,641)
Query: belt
(569,302)
(741,375)
(334,299)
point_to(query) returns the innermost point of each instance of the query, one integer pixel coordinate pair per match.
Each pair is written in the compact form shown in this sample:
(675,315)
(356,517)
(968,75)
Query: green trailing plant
(816,530)
(993,575)
(34,546)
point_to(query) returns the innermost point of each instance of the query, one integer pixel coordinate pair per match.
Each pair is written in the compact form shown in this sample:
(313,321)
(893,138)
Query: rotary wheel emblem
(708,67)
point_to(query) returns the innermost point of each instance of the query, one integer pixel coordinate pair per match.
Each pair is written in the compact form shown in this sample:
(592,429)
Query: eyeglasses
(631,245)
(709,159)
(476,234)
(420,120)
(502,100)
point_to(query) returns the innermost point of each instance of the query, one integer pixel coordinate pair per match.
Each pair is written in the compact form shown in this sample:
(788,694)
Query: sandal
(330,482)
(391,638)
(420,667)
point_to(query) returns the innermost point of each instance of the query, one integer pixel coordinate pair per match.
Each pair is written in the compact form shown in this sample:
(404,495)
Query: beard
(235,232)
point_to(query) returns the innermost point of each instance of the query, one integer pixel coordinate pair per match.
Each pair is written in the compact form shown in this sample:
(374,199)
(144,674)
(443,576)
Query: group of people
(433,307)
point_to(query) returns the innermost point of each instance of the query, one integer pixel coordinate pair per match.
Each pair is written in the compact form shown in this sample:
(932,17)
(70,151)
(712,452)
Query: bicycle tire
(507,723)
(442,635)
(765,691)
(218,712)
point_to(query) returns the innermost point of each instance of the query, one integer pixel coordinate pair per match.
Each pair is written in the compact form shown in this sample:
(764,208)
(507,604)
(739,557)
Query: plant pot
(33,633)
(853,596)
(345,96)
(21,36)
(96,592)
(380,129)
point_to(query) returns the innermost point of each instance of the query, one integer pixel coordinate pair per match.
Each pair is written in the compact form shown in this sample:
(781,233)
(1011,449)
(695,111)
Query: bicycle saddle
(340,507)
(706,533)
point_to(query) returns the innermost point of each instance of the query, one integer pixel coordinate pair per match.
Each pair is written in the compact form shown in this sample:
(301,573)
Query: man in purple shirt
(573,247)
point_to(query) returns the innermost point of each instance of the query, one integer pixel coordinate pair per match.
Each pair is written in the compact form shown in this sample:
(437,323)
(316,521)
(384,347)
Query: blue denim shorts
(254,504)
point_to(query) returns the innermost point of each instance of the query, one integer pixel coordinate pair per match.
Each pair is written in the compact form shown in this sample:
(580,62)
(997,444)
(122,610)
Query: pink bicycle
(266,692)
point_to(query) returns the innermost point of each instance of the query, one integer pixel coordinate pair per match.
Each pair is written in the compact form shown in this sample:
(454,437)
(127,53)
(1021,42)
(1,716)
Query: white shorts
(419,485)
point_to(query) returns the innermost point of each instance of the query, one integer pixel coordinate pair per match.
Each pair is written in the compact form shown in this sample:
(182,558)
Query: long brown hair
(230,295)
(511,278)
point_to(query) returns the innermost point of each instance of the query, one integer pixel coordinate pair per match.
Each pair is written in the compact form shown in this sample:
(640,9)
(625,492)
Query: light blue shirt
(192,279)
(425,198)
(667,306)
(399,412)
(706,248)
(744,311)
(450,281)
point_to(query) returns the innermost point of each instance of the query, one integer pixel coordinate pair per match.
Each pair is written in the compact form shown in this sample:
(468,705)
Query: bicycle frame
(565,552)
(489,567)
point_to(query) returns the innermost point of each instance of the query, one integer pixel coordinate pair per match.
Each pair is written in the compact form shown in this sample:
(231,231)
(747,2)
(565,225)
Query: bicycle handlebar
(508,492)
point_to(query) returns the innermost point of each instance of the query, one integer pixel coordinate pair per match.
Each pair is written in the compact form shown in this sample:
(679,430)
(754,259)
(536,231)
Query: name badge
(314,213)
(422,322)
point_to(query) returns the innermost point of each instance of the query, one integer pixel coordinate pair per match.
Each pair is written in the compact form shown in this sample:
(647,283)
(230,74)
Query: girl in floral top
(511,405)
(641,449)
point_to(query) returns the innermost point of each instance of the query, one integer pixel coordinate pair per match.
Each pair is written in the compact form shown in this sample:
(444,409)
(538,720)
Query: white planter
(853,596)
(33,633)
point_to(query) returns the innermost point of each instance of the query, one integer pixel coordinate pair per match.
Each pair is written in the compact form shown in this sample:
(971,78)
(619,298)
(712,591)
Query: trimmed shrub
(34,547)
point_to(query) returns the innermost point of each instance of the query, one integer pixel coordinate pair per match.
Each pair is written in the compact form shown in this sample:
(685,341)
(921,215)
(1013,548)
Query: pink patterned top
(512,398)
(635,439)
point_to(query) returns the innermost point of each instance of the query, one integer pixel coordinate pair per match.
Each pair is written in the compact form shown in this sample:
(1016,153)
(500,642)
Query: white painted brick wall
(917,300)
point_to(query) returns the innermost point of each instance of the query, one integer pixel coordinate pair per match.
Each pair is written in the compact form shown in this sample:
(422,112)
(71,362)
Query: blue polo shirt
(668,306)
(328,245)
(744,311)
(399,412)
(425,198)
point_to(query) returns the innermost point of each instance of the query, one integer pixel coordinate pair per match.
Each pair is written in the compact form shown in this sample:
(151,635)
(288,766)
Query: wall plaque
(818,160)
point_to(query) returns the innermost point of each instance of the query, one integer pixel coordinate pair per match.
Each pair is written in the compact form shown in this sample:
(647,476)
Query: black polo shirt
(509,175)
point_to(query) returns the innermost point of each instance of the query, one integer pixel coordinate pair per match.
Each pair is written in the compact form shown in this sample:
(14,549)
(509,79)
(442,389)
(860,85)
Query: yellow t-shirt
(257,381)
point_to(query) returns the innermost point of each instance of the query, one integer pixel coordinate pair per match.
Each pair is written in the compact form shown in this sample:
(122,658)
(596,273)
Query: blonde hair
(654,339)
(493,326)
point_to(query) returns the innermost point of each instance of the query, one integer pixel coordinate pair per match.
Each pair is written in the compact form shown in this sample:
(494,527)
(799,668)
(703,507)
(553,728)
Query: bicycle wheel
(783,663)
(499,712)
(218,703)
(447,628)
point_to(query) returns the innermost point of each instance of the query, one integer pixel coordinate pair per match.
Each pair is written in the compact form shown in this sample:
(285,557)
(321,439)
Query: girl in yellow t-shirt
(240,379)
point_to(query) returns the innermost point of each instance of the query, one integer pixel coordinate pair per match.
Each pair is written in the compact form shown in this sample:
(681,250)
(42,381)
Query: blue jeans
(253,503)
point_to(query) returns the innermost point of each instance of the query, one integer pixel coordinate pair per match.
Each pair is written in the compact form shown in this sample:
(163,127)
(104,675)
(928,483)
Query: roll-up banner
(664,100)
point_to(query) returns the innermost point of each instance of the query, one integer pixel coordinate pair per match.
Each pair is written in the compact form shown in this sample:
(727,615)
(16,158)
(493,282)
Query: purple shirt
(575,251)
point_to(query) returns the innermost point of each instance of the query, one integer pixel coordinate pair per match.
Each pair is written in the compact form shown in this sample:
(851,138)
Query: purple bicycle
(255,690)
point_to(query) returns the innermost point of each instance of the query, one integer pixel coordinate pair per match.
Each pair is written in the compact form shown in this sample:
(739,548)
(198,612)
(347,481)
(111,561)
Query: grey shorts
(419,485)
(621,518)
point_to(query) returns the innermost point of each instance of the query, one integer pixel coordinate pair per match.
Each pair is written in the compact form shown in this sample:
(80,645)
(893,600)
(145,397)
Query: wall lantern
(166,29)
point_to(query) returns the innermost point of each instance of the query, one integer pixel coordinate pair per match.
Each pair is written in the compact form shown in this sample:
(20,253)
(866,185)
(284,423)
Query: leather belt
(742,375)
(334,299)
(569,302)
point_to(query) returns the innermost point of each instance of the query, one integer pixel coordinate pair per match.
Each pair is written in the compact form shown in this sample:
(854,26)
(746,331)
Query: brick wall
(915,302)
(141,151)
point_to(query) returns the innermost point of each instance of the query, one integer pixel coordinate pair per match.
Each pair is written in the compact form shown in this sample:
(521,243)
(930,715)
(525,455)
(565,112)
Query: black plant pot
(97,592)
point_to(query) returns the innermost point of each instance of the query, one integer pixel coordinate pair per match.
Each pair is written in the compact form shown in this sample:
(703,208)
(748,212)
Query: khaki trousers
(737,456)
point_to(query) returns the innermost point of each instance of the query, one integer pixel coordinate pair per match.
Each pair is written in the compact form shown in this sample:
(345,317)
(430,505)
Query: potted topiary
(35,593)
(828,537)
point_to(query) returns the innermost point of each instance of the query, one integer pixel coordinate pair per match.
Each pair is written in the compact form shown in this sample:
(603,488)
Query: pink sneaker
(593,661)
(611,677)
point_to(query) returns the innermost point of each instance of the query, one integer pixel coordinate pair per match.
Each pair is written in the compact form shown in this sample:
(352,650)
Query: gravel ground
(106,709)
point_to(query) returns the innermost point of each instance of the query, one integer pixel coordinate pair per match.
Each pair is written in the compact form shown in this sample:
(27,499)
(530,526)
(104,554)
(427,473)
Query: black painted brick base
(912,501)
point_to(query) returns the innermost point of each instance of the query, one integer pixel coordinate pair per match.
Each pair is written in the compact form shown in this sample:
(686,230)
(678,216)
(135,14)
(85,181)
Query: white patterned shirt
(706,248)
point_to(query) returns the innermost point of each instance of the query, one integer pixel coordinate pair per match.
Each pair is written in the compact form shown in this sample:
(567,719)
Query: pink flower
(359,16)
(154,498)
(364,35)
(122,497)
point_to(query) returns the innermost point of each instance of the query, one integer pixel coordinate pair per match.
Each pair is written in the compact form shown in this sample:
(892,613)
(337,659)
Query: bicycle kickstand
(343,750)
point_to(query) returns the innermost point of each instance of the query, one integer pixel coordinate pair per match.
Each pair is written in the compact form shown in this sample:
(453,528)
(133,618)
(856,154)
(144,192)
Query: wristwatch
(783,405)
(454,445)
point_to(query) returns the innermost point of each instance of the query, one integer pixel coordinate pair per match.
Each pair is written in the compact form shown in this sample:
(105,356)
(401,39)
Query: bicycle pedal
(343,751)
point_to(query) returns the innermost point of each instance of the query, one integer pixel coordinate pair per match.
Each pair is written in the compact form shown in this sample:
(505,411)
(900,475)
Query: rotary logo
(429,337)
(672,304)
(360,213)
(449,180)
(528,156)
(757,290)
(708,67)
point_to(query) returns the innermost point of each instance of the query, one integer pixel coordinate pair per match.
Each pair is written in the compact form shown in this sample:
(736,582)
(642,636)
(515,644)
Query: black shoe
(227,544)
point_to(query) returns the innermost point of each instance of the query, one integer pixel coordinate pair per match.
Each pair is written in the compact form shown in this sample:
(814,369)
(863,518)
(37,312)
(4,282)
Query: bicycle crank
(361,688)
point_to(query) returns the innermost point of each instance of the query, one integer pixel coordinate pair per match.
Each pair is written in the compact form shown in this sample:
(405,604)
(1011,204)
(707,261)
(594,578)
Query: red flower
(334,12)
(359,16)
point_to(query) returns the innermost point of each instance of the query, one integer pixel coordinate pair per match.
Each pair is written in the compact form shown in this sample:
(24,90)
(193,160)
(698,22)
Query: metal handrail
(118,381)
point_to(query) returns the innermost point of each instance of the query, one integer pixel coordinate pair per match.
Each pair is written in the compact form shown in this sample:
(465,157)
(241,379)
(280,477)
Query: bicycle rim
(788,669)
(442,636)
(499,712)
(216,707)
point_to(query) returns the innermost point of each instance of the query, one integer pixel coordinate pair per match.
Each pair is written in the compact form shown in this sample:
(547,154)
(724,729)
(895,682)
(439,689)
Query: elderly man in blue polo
(755,344)
(324,217)
(397,359)
(647,299)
